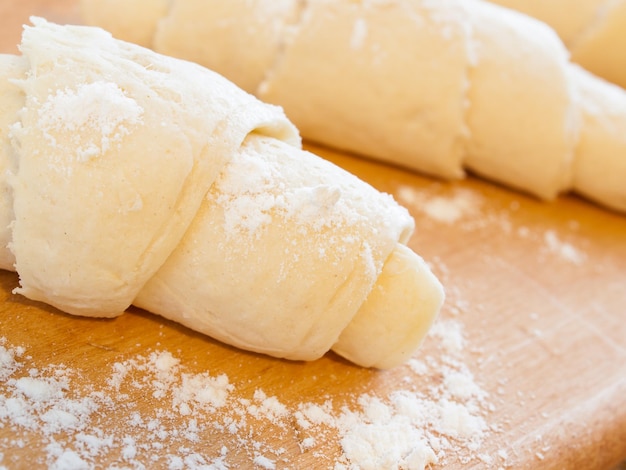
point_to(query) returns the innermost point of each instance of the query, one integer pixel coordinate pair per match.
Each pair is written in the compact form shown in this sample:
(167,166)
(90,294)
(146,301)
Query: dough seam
(595,24)
(302,9)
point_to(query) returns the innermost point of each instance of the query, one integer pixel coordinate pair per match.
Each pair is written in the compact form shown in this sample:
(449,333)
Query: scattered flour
(564,250)
(460,204)
(468,210)
(438,416)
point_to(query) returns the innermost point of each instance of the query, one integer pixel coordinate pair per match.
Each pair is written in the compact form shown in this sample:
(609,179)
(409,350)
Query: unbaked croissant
(135,178)
(594,31)
(438,86)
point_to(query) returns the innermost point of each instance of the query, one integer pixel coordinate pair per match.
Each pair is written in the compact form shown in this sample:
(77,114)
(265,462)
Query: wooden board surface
(525,368)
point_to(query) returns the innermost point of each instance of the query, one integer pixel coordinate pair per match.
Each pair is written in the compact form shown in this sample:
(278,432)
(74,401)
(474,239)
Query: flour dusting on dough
(71,114)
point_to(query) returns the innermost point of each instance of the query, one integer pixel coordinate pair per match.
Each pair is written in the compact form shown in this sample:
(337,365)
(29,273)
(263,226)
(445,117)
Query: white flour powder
(565,250)
(467,210)
(49,408)
(73,113)
(449,209)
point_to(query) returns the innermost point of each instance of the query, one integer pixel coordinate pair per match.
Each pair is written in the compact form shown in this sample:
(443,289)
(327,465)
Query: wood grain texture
(539,289)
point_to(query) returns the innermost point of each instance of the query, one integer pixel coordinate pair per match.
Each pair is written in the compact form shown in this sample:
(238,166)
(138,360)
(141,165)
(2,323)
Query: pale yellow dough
(593,30)
(112,132)
(437,86)
(602,48)
(601,160)
(137,178)
(382,334)
(283,255)
(134,21)
(569,18)
(358,77)
(521,116)
(11,101)
(244,56)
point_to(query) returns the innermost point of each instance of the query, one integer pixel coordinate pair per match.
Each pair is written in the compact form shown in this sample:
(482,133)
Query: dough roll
(440,87)
(136,178)
(600,172)
(594,31)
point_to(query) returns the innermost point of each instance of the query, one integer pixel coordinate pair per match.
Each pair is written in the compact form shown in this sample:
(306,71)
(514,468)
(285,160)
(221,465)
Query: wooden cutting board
(525,368)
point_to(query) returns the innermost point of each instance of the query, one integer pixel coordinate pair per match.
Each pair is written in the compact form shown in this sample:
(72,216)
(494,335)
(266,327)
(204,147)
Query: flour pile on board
(412,427)
(449,209)
(71,424)
(565,250)
(462,207)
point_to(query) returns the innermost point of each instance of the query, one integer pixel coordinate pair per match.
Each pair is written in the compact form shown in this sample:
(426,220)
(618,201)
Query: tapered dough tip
(396,315)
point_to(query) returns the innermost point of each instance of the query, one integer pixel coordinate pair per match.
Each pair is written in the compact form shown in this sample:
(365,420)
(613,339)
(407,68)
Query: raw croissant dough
(436,86)
(138,178)
(594,31)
